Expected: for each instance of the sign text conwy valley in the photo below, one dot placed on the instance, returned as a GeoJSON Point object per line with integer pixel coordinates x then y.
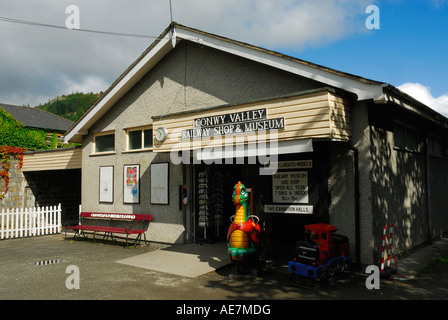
{"type": "Point", "coordinates": [233, 123]}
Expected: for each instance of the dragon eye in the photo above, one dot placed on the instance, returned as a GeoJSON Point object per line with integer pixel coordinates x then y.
{"type": "Point", "coordinates": [243, 192]}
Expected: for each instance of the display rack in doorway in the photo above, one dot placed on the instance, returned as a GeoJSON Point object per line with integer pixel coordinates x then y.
{"type": "Point", "coordinates": [204, 204]}
{"type": "Point", "coordinates": [211, 204]}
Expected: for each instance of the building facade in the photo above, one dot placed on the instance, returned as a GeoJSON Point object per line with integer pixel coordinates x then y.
{"type": "Point", "coordinates": [196, 113]}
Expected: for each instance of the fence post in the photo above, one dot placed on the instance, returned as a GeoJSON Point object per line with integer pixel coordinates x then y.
{"type": "Point", "coordinates": [26, 223]}
{"type": "Point", "coordinates": [21, 222]}
{"type": "Point", "coordinates": [59, 218]}
{"type": "Point", "coordinates": [2, 235]}
{"type": "Point", "coordinates": [43, 221]}
{"type": "Point", "coordinates": [47, 219]}
{"type": "Point", "coordinates": [53, 219]}
{"type": "Point", "coordinates": [15, 213]}
{"type": "Point", "coordinates": [15, 220]}
{"type": "Point", "coordinates": [13, 224]}
{"type": "Point", "coordinates": [39, 221]}
{"type": "Point", "coordinates": [33, 221]}
{"type": "Point", "coordinates": [42, 217]}
{"type": "Point", "coordinates": [7, 224]}
{"type": "Point", "coordinates": [37, 214]}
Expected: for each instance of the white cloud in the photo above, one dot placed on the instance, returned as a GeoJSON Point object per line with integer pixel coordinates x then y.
{"type": "Point", "coordinates": [424, 95]}
{"type": "Point", "coordinates": [44, 62]}
{"type": "Point", "coordinates": [86, 85]}
{"type": "Point", "coordinates": [292, 24]}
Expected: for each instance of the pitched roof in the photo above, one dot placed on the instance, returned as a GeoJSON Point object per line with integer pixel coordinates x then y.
{"type": "Point", "coordinates": [36, 118]}
{"type": "Point", "coordinates": [364, 89]}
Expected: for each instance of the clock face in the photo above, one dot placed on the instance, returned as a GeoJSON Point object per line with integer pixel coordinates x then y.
{"type": "Point", "coordinates": [161, 134]}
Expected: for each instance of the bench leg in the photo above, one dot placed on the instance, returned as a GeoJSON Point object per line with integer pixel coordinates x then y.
{"type": "Point", "coordinates": [144, 239]}
{"type": "Point", "coordinates": [136, 240]}
{"type": "Point", "coordinates": [74, 235]}
{"type": "Point", "coordinates": [139, 239]}
{"type": "Point", "coordinates": [77, 233]}
{"type": "Point", "coordinates": [127, 238]}
{"type": "Point", "coordinates": [107, 235]}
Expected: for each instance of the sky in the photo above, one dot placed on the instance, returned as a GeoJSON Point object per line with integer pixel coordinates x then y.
{"type": "Point", "coordinates": [405, 46]}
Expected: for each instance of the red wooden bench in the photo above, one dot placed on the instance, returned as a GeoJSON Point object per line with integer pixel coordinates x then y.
{"type": "Point", "coordinates": [134, 225]}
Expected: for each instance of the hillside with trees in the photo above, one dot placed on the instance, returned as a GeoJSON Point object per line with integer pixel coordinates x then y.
{"type": "Point", "coordinates": [71, 106]}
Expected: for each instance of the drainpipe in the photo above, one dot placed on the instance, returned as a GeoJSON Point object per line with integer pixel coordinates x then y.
{"type": "Point", "coordinates": [357, 210]}
{"type": "Point", "coordinates": [357, 206]}
{"type": "Point", "coordinates": [428, 192]}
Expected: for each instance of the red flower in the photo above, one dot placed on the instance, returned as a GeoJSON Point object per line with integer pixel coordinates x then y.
{"type": "Point", "coordinates": [6, 152]}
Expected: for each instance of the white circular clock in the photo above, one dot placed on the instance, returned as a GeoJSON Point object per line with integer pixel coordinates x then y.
{"type": "Point", "coordinates": [161, 134]}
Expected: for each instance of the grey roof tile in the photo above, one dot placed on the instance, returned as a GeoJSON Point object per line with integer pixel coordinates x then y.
{"type": "Point", "coordinates": [36, 118]}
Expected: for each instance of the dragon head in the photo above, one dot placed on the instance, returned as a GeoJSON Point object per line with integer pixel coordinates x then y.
{"type": "Point", "coordinates": [239, 194]}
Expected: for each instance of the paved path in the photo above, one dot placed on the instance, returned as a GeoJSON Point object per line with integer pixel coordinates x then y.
{"type": "Point", "coordinates": [103, 278]}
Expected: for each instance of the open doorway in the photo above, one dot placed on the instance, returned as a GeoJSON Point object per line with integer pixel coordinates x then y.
{"type": "Point", "coordinates": [213, 200]}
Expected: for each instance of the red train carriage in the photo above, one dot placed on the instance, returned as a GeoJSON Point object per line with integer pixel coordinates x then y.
{"type": "Point", "coordinates": [322, 252]}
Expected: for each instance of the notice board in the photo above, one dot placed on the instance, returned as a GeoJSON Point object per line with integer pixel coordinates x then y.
{"type": "Point", "coordinates": [160, 183]}
{"type": "Point", "coordinates": [290, 187]}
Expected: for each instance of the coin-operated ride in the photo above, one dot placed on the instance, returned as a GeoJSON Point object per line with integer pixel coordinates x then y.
{"type": "Point", "coordinates": [321, 253]}
{"type": "Point", "coordinates": [244, 233]}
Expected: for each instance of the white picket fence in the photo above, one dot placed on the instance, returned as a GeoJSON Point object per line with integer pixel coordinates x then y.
{"type": "Point", "coordinates": [29, 222]}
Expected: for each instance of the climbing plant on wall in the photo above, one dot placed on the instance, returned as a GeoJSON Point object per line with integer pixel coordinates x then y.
{"type": "Point", "coordinates": [6, 154]}
{"type": "Point", "coordinates": [14, 140]}
{"type": "Point", "coordinates": [14, 134]}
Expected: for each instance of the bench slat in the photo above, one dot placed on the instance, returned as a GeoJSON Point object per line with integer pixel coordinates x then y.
{"type": "Point", "coordinates": [84, 227]}
{"type": "Point", "coordinates": [116, 216]}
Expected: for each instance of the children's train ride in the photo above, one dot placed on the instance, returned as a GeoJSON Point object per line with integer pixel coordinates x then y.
{"type": "Point", "coordinates": [321, 253]}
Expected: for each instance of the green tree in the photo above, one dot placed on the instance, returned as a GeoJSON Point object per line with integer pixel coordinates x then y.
{"type": "Point", "coordinates": [71, 106]}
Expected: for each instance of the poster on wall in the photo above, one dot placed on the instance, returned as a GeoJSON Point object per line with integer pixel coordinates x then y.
{"type": "Point", "coordinates": [160, 183]}
{"type": "Point", "coordinates": [290, 187]}
{"type": "Point", "coordinates": [107, 184]}
{"type": "Point", "coordinates": [131, 184]}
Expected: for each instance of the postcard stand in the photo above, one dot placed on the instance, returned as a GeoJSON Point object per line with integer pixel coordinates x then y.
{"type": "Point", "coordinates": [204, 203]}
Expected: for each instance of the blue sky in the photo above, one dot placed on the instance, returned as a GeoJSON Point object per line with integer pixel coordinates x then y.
{"type": "Point", "coordinates": [409, 50]}
{"type": "Point", "coordinates": [410, 46]}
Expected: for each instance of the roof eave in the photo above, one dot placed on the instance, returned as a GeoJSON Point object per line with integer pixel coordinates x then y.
{"type": "Point", "coordinates": [403, 100]}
